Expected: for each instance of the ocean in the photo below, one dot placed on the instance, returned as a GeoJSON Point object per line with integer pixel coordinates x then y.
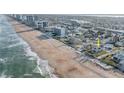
{"type": "Point", "coordinates": [17, 60]}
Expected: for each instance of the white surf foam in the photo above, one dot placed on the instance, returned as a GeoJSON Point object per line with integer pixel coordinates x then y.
{"type": "Point", "coordinates": [1, 60]}
{"type": "Point", "coordinates": [42, 65]}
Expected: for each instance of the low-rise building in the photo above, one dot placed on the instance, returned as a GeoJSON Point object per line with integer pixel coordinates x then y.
{"type": "Point", "coordinates": [108, 46]}
{"type": "Point", "coordinates": [121, 67]}
{"type": "Point", "coordinates": [96, 49]}
{"type": "Point", "coordinates": [118, 57]}
{"type": "Point", "coordinates": [119, 44]}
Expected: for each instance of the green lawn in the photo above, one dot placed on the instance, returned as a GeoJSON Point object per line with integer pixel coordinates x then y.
{"type": "Point", "coordinates": [109, 61]}
{"type": "Point", "coordinates": [100, 53]}
{"type": "Point", "coordinates": [96, 54]}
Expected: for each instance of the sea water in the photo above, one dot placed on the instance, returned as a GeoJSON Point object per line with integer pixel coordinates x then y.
{"type": "Point", "coordinates": [16, 57]}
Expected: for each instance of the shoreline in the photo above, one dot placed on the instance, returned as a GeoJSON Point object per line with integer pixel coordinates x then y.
{"type": "Point", "coordinates": [27, 52]}
{"type": "Point", "coordinates": [30, 52]}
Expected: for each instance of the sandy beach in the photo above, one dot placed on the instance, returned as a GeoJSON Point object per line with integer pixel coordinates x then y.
{"type": "Point", "coordinates": [60, 56]}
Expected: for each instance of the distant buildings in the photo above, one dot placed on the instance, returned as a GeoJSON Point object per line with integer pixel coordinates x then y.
{"type": "Point", "coordinates": [24, 19]}
{"type": "Point", "coordinates": [30, 20]}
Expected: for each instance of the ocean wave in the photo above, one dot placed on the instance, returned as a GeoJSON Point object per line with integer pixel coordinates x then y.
{"type": "Point", "coordinates": [14, 45]}
{"type": "Point", "coordinates": [1, 60]}
{"type": "Point", "coordinates": [43, 65]}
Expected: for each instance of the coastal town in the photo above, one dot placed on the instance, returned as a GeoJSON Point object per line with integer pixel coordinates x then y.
{"type": "Point", "coordinates": [75, 45]}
